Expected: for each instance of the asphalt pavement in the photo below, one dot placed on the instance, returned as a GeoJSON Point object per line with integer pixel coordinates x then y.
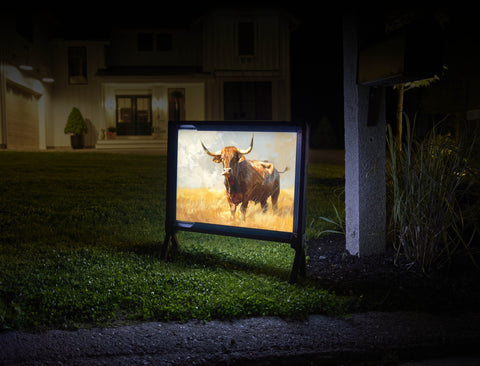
{"type": "Point", "coordinates": [374, 338]}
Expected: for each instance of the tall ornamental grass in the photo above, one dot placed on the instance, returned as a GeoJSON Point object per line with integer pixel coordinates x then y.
{"type": "Point", "coordinates": [428, 182]}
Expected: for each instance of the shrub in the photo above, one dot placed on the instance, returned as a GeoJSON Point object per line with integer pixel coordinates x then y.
{"type": "Point", "coordinates": [75, 123]}
{"type": "Point", "coordinates": [427, 180]}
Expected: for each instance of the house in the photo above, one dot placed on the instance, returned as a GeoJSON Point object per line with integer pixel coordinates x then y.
{"type": "Point", "coordinates": [229, 64]}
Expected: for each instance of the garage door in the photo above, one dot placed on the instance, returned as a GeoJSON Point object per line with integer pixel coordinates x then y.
{"type": "Point", "coordinates": [22, 118]}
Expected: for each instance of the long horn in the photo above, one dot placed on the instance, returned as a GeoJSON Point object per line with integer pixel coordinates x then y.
{"type": "Point", "coordinates": [247, 150]}
{"type": "Point", "coordinates": [209, 152]}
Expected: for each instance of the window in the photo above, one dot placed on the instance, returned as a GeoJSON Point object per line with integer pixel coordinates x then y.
{"type": "Point", "coordinates": [77, 65]}
{"type": "Point", "coordinates": [145, 42]}
{"type": "Point", "coordinates": [148, 42]}
{"type": "Point", "coordinates": [247, 100]}
{"type": "Point", "coordinates": [246, 39]}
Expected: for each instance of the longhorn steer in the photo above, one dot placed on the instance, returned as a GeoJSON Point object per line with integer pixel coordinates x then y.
{"type": "Point", "coordinates": [247, 180]}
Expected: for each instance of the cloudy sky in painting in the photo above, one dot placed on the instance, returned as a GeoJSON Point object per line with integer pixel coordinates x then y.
{"type": "Point", "coordinates": [196, 169]}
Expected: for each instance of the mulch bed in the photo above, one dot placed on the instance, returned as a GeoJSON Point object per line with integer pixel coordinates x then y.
{"type": "Point", "coordinates": [380, 284]}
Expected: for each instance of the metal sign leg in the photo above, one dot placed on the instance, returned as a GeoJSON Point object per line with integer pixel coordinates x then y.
{"type": "Point", "coordinates": [299, 262]}
{"type": "Point", "coordinates": [169, 237]}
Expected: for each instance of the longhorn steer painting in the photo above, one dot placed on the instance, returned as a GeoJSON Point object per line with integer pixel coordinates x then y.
{"type": "Point", "coordinates": [243, 175]}
{"type": "Point", "coordinates": [247, 180]}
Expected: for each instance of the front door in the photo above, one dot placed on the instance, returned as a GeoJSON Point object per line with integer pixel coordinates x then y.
{"type": "Point", "coordinates": [134, 115]}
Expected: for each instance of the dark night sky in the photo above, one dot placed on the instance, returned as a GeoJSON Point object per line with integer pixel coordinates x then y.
{"type": "Point", "coordinates": [317, 67]}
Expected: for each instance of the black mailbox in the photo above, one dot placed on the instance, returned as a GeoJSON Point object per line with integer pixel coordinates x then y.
{"type": "Point", "coordinates": [414, 53]}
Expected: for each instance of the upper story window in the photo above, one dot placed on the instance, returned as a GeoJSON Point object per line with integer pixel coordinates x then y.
{"type": "Point", "coordinates": [148, 42]}
{"type": "Point", "coordinates": [246, 39]}
{"type": "Point", "coordinates": [77, 65]}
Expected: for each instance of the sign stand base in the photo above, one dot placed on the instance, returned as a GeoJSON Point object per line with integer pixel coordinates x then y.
{"type": "Point", "coordinates": [170, 237]}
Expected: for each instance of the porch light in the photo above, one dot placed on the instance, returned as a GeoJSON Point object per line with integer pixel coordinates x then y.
{"type": "Point", "coordinates": [109, 103]}
{"type": "Point", "coordinates": [157, 103]}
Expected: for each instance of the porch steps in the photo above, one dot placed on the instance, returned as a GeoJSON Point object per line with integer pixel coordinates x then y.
{"type": "Point", "coordinates": [134, 143]}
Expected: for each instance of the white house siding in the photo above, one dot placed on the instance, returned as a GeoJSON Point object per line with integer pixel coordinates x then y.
{"type": "Point", "coordinates": [86, 97]}
{"type": "Point", "coordinates": [195, 102]}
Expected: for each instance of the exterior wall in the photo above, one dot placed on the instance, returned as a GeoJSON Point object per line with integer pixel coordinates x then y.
{"type": "Point", "coordinates": [186, 49]}
{"type": "Point", "coordinates": [194, 106]}
{"type": "Point", "coordinates": [221, 40]}
{"type": "Point", "coordinates": [86, 97]}
{"type": "Point", "coordinates": [25, 99]}
{"type": "Point", "coordinates": [195, 95]}
{"type": "Point", "coordinates": [281, 110]}
{"type": "Point", "coordinates": [203, 58]}
{"type": "Point", "coordinates": [270, 62]}
{"type": "Point", "coordinates": [97, 99]}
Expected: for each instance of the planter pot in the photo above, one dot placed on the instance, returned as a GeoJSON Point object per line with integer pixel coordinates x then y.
{"type": "Point", "coordinates": [77, 141]}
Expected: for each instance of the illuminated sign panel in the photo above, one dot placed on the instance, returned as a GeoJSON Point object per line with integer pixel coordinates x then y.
{"type": "Point", "coordinates": [242, 179]}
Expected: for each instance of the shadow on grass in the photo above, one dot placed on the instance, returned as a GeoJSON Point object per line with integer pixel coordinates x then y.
{"type": "Point", "coordinates": [200, 258]}
{"type": "Point", "coordinates": [217, 260]}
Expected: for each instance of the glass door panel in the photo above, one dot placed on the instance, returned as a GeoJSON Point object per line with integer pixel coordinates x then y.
{"type": "Point", "coordinates": [143, 115]}
{"type": "Point", "coordinates": [124, 115]}
{"type": "Point", "coordinates": [134, 115]}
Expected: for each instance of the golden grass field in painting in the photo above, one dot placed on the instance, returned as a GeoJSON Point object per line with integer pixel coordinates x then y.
{"type": "Point", "coordinates": [211, 206]}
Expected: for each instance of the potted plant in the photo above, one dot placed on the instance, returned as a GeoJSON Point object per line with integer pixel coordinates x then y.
{"type": "Point", "coordinates": [112, 132]}
{"type": "Point", "coordinates": [77, 127]}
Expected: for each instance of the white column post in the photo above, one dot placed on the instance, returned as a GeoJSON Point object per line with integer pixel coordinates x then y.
{"type": "Point", "coordinates": [365, 193]}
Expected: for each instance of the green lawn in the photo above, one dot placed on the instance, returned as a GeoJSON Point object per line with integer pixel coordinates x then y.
{"type": "Point", "coordinates": [80, 237]}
